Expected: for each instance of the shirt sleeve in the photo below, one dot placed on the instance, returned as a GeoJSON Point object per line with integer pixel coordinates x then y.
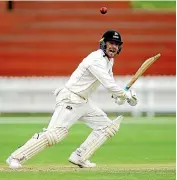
{"type": "Point", "coordinates": [98, 69]}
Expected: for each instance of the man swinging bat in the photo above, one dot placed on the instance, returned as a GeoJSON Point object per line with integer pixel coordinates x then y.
{"type": "Point", "coordinates": [73, 104]}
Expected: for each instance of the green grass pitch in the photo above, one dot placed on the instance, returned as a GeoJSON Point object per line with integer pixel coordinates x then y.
{"type": "Point", "coordinates": [142, 150]}
{"type": "Point", "coordinates": [155, 5]}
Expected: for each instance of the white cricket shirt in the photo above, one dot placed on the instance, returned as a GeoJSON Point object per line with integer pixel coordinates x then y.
{"type": "Point", "coordinates": [94, 70]}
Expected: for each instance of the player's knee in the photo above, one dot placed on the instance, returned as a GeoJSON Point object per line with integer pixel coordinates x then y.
{"type": "Point", "coordinates": [56, 135]}
{"type": "Point", "coordinates": [53, 136]}
{"type": "Point", "coordinates": [113, 128]}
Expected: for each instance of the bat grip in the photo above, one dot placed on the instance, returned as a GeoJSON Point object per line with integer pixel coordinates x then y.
{"type": "Point", "coordinates": [127, 88]}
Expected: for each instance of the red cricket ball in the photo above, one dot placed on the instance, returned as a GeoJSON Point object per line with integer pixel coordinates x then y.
{"type": "Point", "coordinates": [103, 10]}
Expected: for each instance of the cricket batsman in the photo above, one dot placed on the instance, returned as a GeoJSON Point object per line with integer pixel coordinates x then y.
{"type": "Point", "coordinates": [73, 104]}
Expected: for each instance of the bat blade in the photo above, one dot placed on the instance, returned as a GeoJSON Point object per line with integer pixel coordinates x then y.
{"type": "Point", "coordinates": [147, 63]}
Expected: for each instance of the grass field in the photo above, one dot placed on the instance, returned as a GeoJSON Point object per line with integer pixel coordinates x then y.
{"type": "Point", "coordinates": [155, 5]}
{"type": "Point", "coordinates": [142, 150]}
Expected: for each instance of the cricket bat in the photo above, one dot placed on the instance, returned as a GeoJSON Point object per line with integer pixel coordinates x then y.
{"type": "Point", "coordinates": [147, 63]}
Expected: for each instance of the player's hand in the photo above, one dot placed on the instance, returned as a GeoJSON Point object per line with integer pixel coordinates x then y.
{"type": "Point", "coordinates": [120, 97]}
{"type": "Point", "coordinates": [120, 101]}
{"type": "Point", "coordinates": [132, 98]}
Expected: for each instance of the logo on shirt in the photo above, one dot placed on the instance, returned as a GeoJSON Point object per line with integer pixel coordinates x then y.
{"type": "Point", "coordinates": [69, 107]}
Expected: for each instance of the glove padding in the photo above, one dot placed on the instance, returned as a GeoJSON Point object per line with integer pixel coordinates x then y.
{"type": "Point", "coordinates": [120, 97]}
{"type": "Point", "coordinates": [120, 101]}
{"type": "Point", "coordinates": [132, 98]}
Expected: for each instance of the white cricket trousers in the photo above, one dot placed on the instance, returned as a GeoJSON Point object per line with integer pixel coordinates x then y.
{"type": "Point", "coordinates": [71, 107]}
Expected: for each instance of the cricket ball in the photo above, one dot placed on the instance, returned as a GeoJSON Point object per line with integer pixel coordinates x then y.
{"type": "Point", "coordinates": [103, 10]}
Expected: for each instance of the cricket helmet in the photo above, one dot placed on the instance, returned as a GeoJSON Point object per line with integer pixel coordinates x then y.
{"type": "Point", "coordinates": [111, 35]}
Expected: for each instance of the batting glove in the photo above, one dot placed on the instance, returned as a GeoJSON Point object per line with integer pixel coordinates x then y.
{"type": "Point", "coordinates": [120, 97]}
{"type": "Point", "coordinates": [132, 98]}
{"type": "Point", "coordinates": [120, 101]}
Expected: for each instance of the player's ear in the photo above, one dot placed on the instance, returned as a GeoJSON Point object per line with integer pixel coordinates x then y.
{"type": "Point", "coordinates": [119, 49]}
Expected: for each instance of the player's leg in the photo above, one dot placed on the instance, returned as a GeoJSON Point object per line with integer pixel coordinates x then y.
{"type": "Point", "coordinates": [103, 128]}
{"type": "Point", "coordinates": [37, 143]}
{"type": "Point", "coordinates": [63, 118]}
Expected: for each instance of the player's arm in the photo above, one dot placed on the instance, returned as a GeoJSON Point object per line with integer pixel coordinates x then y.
{"type": "Point", "coordinates": [99, 71]}
{"type": "Point", "coordinates": [119, 94]}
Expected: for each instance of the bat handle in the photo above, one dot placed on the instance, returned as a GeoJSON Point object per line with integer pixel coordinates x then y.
{"type": "Point", "coordinates": [127, 88]}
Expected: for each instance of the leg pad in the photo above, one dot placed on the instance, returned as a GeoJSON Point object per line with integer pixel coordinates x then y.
{"type": "Point", "coordinates": [97, 138]}
{"type": "Point", "coordinates": [39, 142]}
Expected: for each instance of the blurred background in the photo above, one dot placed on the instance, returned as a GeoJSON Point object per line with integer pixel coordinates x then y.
{"type": "Point", "coordinates": [41, 44]}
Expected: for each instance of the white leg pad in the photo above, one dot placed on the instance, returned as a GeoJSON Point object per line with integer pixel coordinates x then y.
{"type": "Point", "coordinates": [38, 142]}
{"type": "Point", "coordinates": [97, 138]}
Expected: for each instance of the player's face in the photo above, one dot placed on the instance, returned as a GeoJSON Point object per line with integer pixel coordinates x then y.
{"type": "Point", "coordinates": [111, 48]}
